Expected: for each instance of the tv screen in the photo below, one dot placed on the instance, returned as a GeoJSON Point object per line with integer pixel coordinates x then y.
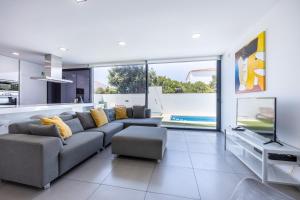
{"type": "Point", "coordinates": [257, 114]}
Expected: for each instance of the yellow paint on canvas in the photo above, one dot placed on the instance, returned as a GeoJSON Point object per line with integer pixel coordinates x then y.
{"type": "Point", "coordinates": [256, 62]}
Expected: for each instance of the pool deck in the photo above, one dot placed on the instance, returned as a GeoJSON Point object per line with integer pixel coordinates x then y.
{"type": "Point", "coordinates": [166, 120]}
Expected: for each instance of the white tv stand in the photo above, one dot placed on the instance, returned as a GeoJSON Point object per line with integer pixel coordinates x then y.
{"type": "Point", "coordinates": [250, 149]}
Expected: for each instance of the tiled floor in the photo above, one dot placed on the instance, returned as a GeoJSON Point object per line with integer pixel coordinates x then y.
{"type": "Point", "coordinates": [195, 166]}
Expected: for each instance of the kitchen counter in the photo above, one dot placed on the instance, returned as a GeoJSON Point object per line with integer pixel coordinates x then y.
{"type": "Point", "coordinates": [44, 107]}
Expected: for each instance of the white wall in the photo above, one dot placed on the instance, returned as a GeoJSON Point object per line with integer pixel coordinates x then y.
{"type": "Point", "coordinates": [9, 68]}
{"type": "Point", "coordinates": [31, 91]}
{"type": "Point", "coordinates": [282, 26]}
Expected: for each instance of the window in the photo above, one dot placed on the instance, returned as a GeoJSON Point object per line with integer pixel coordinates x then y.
{"type": "Point", "coordinates": [120, 85]}
{"type": "Point", "coordinates": [183, 94]}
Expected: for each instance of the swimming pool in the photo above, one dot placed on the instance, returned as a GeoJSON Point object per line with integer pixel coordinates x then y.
{"type": "Point", "coordinates": [192, 118]}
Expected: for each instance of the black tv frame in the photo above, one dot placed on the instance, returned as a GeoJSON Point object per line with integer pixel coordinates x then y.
{"type": "Point", "coordinates": [274, 139]}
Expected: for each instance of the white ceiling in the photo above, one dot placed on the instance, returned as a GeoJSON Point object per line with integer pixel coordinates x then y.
{"type": "Point", "coordinates": [151, 28]}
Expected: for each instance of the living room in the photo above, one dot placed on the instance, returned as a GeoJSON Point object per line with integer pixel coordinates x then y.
{"type": "Point", "coordinates": [149, 100]}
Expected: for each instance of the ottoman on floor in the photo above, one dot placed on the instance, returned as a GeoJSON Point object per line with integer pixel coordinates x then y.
{"type": "Point", "coordinates": [139, 141]}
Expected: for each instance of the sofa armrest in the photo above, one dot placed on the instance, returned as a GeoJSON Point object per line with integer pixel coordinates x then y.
{"type": "Point", "coordinates": [148, 113]}
{"type": "Point", "coordinates": [29, 159]}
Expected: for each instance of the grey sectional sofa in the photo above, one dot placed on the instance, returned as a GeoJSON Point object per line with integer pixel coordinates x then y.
{"type": "Point", "coordinates": [38, 160]}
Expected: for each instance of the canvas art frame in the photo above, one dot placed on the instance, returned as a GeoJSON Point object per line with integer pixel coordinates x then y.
{"type": "Point", "coordinates": [250, 66]}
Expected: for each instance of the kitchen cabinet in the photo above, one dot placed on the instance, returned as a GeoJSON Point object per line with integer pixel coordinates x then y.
{"type": "Point", "coordinates": [68, 90]}
{"type": "Point", "coordinates": [9, 69]}
{"type": "Point", "coordinates": [81, 86]}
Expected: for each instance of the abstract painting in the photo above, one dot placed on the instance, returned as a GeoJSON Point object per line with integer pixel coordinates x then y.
{"type": "Point", "coordinates": [250, 66]}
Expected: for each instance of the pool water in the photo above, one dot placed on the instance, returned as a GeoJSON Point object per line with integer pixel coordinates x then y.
{"type": "Point", "coordinates": [193, 118]}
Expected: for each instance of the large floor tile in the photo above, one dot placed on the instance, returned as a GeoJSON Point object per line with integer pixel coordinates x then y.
{"type": "Point", "coordinates": [176, 158]}
{"type": "Point", "coordinates": [210, 162]}
{"type": "Point", "coordinates": [176, 137]}
{"type": "Point", "coordinates": [206, 148]}
{"type": "Point", "coordinates": [174, 181]}
{"type": "Point", "coordinates": [94, 170]}
{"type": "Point", "coordinates": [214, 185]}
{"type": "Point", "coordinates": [12, 191]}
{"type": "Point", "coordinates": [201, 138]}
{"type": "Point", "coordinates": [175, 131]}
{"type": "Point", "coordinates": [106, 153]}
{"type": "Point", "coordinates": [175, 145]}
{"type": "Point", "coordinates": [287, 190]}
{"type": "Point", "coordinates": [133, 174]}
{"type": "Point", "coordinates": [68, 190]}
{"type": "Point", "coordinates": [113, 193]}
{"type": "Point", "coordinates": [155, 196]}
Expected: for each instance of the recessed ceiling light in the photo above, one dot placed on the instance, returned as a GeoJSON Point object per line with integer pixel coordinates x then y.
{"type": "Point", "coordinates": [122, 43]}
{"type": "Point", "coordinates": [196, 35]}
{"type": "Point", "coordinates": [81, 1]}
{"type": "Point", "coordinates": [63, 49]}
{"type": "Point", "coordinates": [15, 53]}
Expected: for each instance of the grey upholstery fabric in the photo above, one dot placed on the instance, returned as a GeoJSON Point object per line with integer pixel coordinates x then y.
{"type": "Point", "coordinates": [79, 147]}
{"type": "Point", "coordinates": [138, 141]}
{"type": "Point", "coordinates": [140, 122]}
{"type": "Point", "coordinates": [37, 116]}
{"type": "Point", "coordinates": [129, 112]}
{"type": "Point", "coordinates": [110, 113]}
{"type": "Point", "coordinates": [29, 159]}
{"type": "Point", "coordinates": [68, 113]}
{"type": "Point", "coordinates": [74, 125]}
{"type": "Point", "coordinates": [109, 130]}
{"type": "Point", "coordinates": [21, 127]}
{"type": "Point", "coordinates": [86, 120]}
{"type": "Point", "coordinates": [45, 130]}
{"type": "Point", "coordinates": [138, 112]}
{"type": "Point", "coordinates": [251, 189]}
{"type": "Point", "coordinates": [66, 117]}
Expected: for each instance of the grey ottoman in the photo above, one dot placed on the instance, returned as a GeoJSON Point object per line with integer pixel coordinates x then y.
{"type": "Point", "coordinates": [139, 141]}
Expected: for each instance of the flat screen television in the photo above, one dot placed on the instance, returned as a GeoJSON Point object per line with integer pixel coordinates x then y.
{"type": "Point", "coordinates": [257, 115]}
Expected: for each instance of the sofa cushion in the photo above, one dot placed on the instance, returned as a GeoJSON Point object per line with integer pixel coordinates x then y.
{"type": "Point", "coordinates": [86, 120]}
{"type": "Point", "coordinates": [68, 113]}
{"type": "Point", "coordinates": [138, 112]}
{"type": "Point", "coordinates": [140, 122]}
{"type": "Point", "coordinates": [75, 125]}
{"type": "Point", "coordinates": [99, 117]}
{"type": "Point", "coordinates": [121, 112]}
{"type": "Point", "coordinates": [110, 113]}
{"type": "Point", "coordinates": [79, 147]}
{"type": "Point", "coordinates": [109, 130]}
{"type": "Point", "coordinates": [129, 112]}
{"type": "Point", "coordinates": [38, 116]}
{"type": "Point", "coordinates": [45, 130]}
{"type": "Point", "coordinates": [21, 127]}
{"type": "Point", "coordinates": [66, 117]}
{"type": "Point", "coordinates": [64, 129]}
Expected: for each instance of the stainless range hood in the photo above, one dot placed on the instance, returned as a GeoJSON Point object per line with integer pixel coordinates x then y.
{"type": "Point", "coordinates": [52, 70]}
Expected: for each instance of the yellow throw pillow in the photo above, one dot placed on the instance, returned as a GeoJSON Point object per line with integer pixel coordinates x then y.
{"type": "Point", "coordinates": [64, 129]}
{"type": "Point", "coordinates": [99, 117]}
{"type": "Point", "coordinates": [121, 112]}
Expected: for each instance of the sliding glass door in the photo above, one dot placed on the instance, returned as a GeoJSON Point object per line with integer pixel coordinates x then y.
{"type": "Point", "coordinates": [182, 94]}
{"type": "Point", "coordinates": [120, 85]}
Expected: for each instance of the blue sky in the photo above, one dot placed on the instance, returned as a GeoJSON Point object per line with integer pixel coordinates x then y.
{"type": "Point", "coordinates": [175, 71]}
